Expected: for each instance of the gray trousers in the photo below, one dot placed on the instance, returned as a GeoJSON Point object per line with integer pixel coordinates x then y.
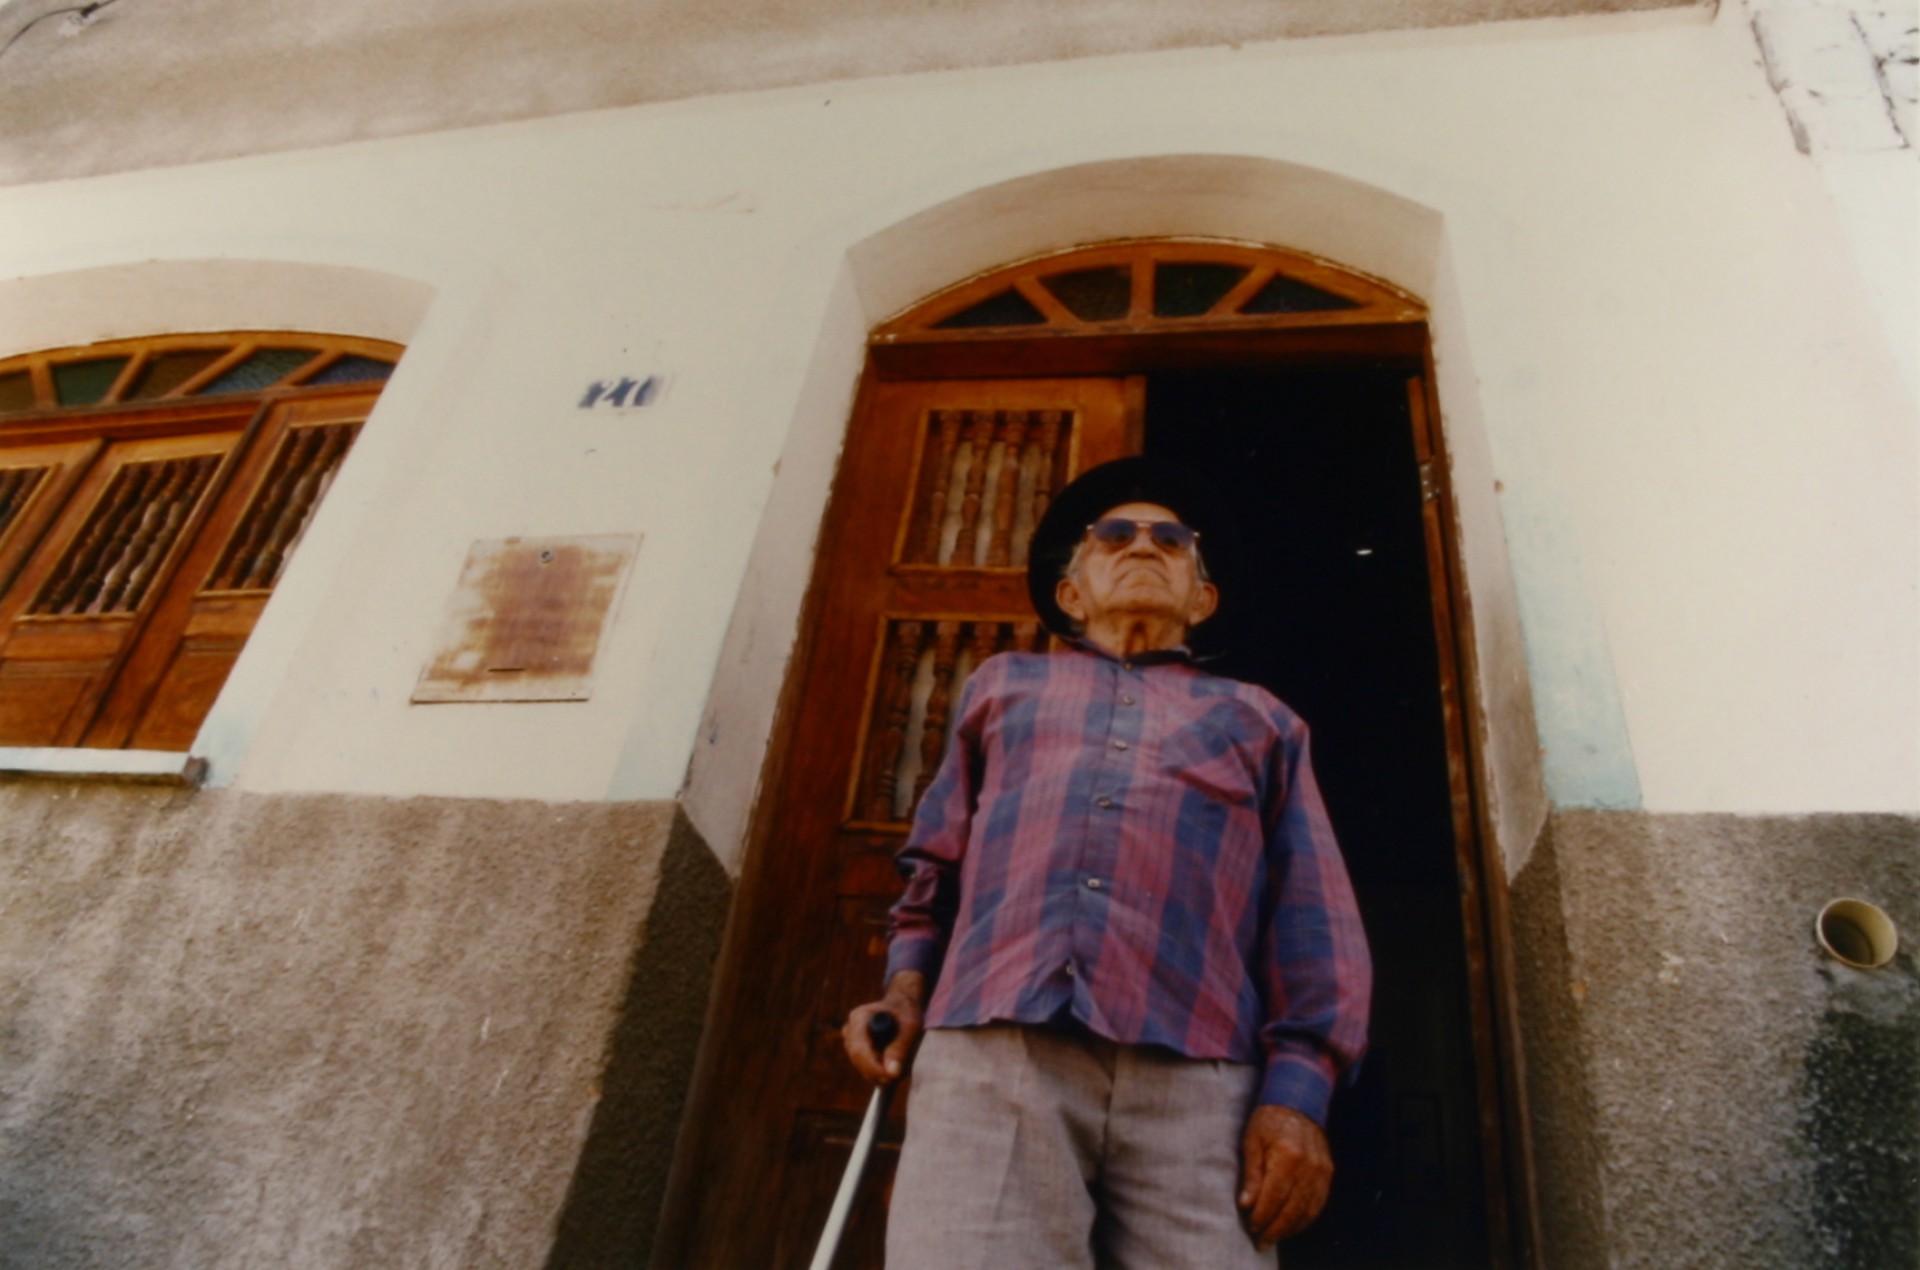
{"type": "Point", "coordinates": [1045, 1148]}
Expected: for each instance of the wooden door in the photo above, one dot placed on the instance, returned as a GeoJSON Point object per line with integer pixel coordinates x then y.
{"type": "Point", "coordinates": [921, 575]}
{"type": "Point", "coordinates": [887, 643]}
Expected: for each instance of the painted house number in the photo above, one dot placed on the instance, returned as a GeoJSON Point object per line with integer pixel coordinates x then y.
{"type": "Point", "coordinates": [624, 392]}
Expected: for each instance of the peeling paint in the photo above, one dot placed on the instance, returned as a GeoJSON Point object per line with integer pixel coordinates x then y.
{"type": "Point", "coordinates": [1844, 70]}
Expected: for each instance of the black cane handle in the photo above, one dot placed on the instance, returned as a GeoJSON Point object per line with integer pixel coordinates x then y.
{"type": "Point", "coordinates": [882, 1029]}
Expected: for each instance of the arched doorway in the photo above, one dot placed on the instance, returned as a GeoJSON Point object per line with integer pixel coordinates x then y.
{"type": "Point", "coordinates": [1304, 389]}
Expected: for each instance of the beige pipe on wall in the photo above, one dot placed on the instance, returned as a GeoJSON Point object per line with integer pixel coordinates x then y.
{"type": "Point", "coordinates": [1857, 932]}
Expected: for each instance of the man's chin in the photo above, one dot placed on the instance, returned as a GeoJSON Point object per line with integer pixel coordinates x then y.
{"type": "Point", "coordinates": [1148, 612]}
{"type": "Point", "coordinates": [1148, 596]}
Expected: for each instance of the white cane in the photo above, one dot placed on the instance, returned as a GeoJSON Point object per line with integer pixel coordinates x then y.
{"type": "Point", "coordinates": [882, 1028]}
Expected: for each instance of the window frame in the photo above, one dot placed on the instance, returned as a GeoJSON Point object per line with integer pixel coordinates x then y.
{"type": "Point", "coordinates": [103, 430]}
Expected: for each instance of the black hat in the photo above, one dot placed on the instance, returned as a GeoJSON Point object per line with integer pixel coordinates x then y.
{"type": "Point", "coordinates": [1086, 498]}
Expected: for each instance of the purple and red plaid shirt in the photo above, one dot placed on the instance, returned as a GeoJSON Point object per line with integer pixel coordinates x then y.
{"type": "Point", "coordinates": [1141, 846]}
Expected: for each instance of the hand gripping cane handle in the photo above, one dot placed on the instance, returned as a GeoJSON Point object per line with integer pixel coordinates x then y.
{"type": "Point", "coordinates": [882, 1029]}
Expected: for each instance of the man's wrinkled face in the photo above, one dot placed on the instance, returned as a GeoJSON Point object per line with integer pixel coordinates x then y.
{"type": "Point", "coordinates": [1139, 578]}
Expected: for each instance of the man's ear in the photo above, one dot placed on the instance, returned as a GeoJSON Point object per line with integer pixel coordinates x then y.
{"type": "Point", "coordinates": [1206, 598]}
{"type": "Point", "coordinates": [1067, 595]}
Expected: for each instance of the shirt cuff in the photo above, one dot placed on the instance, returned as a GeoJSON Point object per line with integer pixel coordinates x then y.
{"type": "Point", "coordinates": [911, 952]}
{"type": "Point", "coordinates": [1301, 1081]}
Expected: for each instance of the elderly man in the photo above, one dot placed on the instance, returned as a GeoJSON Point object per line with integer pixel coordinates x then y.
{"type": "Point", "coordinates": [1127, 931]}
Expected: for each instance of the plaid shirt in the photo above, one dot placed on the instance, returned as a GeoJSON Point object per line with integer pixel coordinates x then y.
{"type": "Point", "coordinates": [1139, 845]}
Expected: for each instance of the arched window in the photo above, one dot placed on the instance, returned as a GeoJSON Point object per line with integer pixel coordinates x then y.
{"type": "Point", "coordinates": [151, 494]}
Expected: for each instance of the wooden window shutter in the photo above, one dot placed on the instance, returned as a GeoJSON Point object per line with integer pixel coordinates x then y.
{"type": "Point", "coordinates": [151, 495]}
{"type": "Point", "coordinates": [197, 635]}
{"type": "Point", "coordinates": [73, 613]}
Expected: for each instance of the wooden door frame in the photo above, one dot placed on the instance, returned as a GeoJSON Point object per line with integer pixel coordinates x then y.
{"type": "Point", "coordinates": [680, 1209]}
{"type": "Point", "coordinates": [1401, 343]}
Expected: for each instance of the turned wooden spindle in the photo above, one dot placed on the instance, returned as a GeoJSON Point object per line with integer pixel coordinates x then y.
{"type": "Point", "coordinates": [896, 704]}
{"type": "Point", "coordinates": [979, 441]}
{"type": "Point", "coordinates": [946, 440]}
{"type": "Point", "coordinates": [1013, 435]}
{"type": "Point", "coordinates": [933, 728]}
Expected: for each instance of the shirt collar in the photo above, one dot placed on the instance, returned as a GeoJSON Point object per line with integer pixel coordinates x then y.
{"type": "Point", "coordinates": [1152, 657]}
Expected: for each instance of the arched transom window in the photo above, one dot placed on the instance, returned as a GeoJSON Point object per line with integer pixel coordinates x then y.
{"type": "Point", "coordinates": [1159, 285]}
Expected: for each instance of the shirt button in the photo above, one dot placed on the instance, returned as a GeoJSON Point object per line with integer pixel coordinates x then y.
{"type": "Point", "coordinates": [1093, 884]}
{"type": "Point", "coordinates": [1126, 700]}
{"type": "Point", "coordinates": [1119, 745]}
{"type": "Point", "coordinates": [1103, 802]}
{"type": "Point", "coordinates": [1069, 970]}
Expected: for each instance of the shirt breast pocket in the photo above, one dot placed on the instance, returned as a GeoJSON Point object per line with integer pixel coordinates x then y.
{"type": "Point", "coordinates": [1214, 760]}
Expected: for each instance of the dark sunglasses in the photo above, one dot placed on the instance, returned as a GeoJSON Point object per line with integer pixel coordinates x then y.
{"type": "Point", "coordinates": [1115, 532]}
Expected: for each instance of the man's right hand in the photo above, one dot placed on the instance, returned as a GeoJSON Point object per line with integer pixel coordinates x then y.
{"type": "Point", "coordinates": [905, 992]}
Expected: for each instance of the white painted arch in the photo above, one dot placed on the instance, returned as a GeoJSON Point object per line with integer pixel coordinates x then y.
{"type": "Point", "coordinates": [170, 297]}
{"type": "Point", "coordinates": [1191, 195]}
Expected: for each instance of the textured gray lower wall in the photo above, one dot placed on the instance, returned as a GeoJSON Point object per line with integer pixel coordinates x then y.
{"type": "Point", "coordinates": [1707, 1089]}
{"type": "Point", "coordinates": [245, 1030]}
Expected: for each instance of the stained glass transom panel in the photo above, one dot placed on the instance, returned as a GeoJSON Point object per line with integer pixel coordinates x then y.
{"type": "Point", "coordinates": [1094, 295]}
{"type": "Point", "coordinates": [262, 370]}
{"type": "Point", "coordinates": [1290, 295]}
{"type": "Point", "coordinates": [1183, 290]}
{"type": "Point", "coordinates": [83, 383]}
{"type": "Point", "coordinates": [167, 371]}
{"type": "Point", "coordinates": [1007, 308]}
{"type": "Point", "coordinates": [354, 370]}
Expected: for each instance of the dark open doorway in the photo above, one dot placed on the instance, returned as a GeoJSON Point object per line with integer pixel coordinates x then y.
{"type": "Point", "coordinates": [1327, 603]}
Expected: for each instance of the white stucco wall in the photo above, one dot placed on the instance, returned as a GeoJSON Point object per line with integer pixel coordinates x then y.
{"type": "Point", "coordinates": [1655, 332]}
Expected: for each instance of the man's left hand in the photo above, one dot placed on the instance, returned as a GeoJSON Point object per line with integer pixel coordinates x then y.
{"type": "Point", "coordinates": [1285, 1172]}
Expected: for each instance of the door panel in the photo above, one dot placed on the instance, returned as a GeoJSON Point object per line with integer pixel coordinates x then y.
{"type": "Point", "coordinates": [82, 598]}
{"type": "Point", "coordinates": [34, 483]}
{"type": "Point", "coordinates": [216, 632]}
{"type": "Point", "coordinates": [195, 635]}
{"type": "Point", "coordinates": [921, 576]}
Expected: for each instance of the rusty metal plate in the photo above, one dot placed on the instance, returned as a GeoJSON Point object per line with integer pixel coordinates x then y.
{"type": "Point", "coordinates": [527, 619]}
